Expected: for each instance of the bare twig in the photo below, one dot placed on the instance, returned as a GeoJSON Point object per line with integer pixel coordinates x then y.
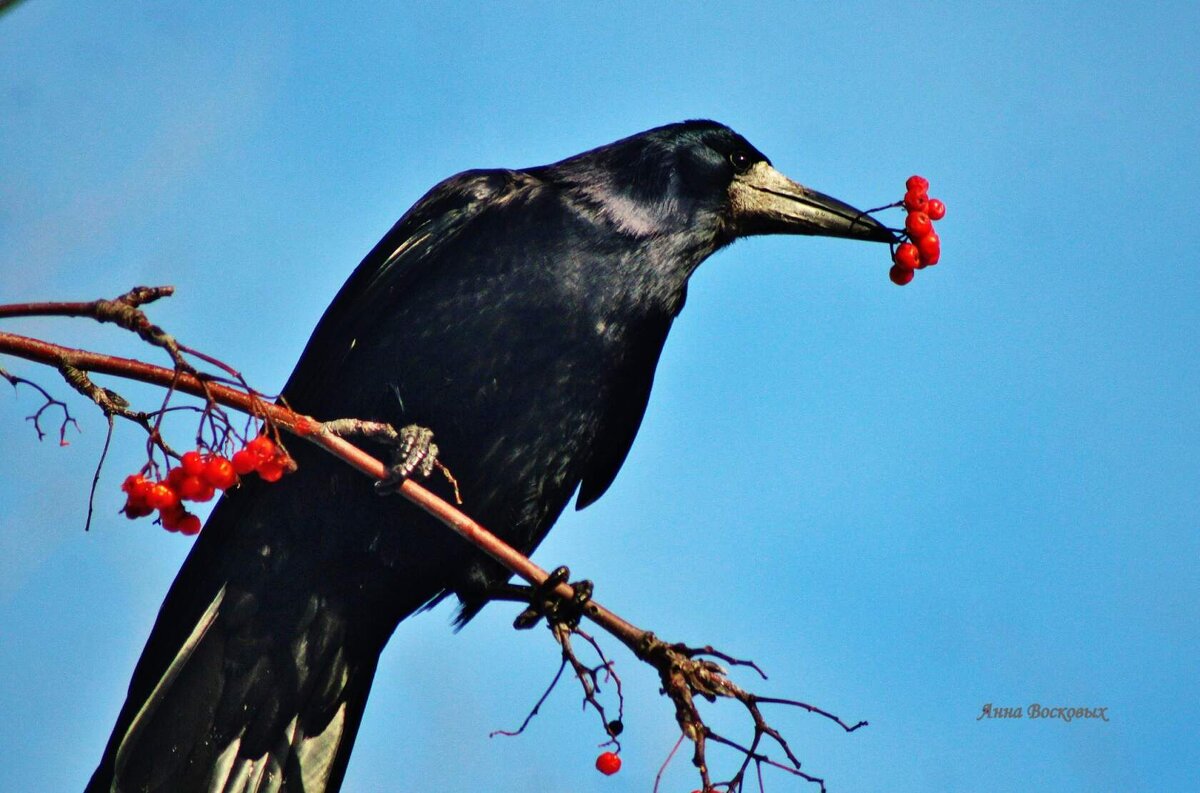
{"type": "Point", "coordinates": [49, 403]}
{"type": "Point", "coordinates": [562, 665]}
{"type": "Point", "coordinates": [662, 769]}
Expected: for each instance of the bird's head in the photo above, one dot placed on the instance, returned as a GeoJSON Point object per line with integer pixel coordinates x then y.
{"type": "Point", "coordinates": [702, 176]}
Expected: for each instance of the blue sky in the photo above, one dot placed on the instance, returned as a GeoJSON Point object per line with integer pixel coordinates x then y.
{"type": "Point", "coordinates": [903, 503]}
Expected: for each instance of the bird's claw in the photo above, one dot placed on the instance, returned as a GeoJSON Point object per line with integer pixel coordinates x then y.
{"type": "Point", "coordinates": [545, 602]}
{"type": "Point", "coordinates": [415, 453]}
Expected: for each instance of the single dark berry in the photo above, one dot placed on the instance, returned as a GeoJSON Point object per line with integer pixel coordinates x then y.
{"type": "Point", "coordinates": [615, 727]}
{"type": "Point", "coordinates": [136, 508]}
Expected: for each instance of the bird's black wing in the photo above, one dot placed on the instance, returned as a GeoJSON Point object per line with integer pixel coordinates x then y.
{"type": "Point", "coordinates": [256, 673]}
{"type": "Point", "coordinates": [395, 265]}
{"type": "Point", "coordinates": [623, 410]}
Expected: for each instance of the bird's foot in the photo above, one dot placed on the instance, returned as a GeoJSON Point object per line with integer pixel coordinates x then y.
{"type": "Point", "coordinates": [544, 602]}
{"type": "Point", "coordinates": [414, 453]}
{"type": "Point", "coordinates": [413, 450]}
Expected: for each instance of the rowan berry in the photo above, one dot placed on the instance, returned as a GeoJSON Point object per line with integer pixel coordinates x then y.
{"type": "Point", "coordinates": [608, 763]}
{"type": "Point", "coordinates": [192, 463]}
{"type": "Point", "coordinates": [918, 224]}
{"type": "Point", "coordinates": [916, 200]}
{"type": "Point", "coordinates": [162, 497]}
{"type": "Point", "coordinates": [220, 473]}
{"type": "Point", "coordinates": [262, 447]}
{"type": "Point", "coordinates": [900, 274]}
{"type": "Point", "coordinates": [917, 183]}
{"type": "Point", "coordinates": [190, 488]}
{"type": "Point", "coordinates": [189, 524]}
{"type": "Point", "coordinates": [172, 519]}
{"type": "Point", "coordinates": [930, 248]}
{"type": "Point", "coordinates": [137, 486]}
{"type": "Point", "coordinates": [244, 461]}
{"type": "Point", "coordinates": [907, 256]}
{"type": "Point", "coordinates": [136, 508]}
{"type": "Point", "coordinates": [936, 209]}
{"type": "Point", "coordinates": [271, 470]}
{"type": "Point", "coordinates": [175, 477]}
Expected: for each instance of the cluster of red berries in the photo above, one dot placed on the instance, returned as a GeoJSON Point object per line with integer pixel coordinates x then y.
{"type": "Point", "coordinates": [262, 456]}
{"type": "Point", "coordinates": [197, 478]}
{"type": "Point", "coordinates": [608, 763]}
{"type": "Point", "coordinates": [924, 247]}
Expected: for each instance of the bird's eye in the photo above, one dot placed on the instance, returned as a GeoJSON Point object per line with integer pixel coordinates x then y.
{"type": "Point", "coordinates": [741, 161]}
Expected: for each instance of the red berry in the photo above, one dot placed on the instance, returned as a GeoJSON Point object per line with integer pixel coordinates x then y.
{"type": "Point", "coordinates": [133, 482]}
{"type": "Point", "coordinates": [175, 477]}
{"type": "Point", "coordinates": [916, 200]}
{"type": "Point", "coordinates": [918, 224]}
{"type": "Point", "coordinates": [136, 508]}
{"type": "Point", "coordinates": [907, 256]}
{"type": "Point", "coordinates": [262, 447]}
{"type": "Point", "coordinates": [244, 461]}
{"type": "Point", "coordinates": [137, 486]}
{"type": "Point", "coordinates": [207, 491]}
{"type": "Point", "coordinates": [172, 519]}
{"type": "Point", "coordinates": [271, 471]}
{"type": "Point", "coordinates": [190, 488]}
{"type": "Point", "coordinates": [608, 763]}
{"type": "Point", "coordinates": [936, 209]}
{"type": "Point", "coordinates": [192, 463]}
{"type": "Point", "coordinates": [917, 183]}
{"type": "Point", "coordinates": [930, 248]}
{"type": "Point", "coordinates": [189, 524]}
{"type": "Point", "coordinates": [162, 497]}
{"type": "Point", "coordinates": [220, 473]}
{"type": "Point", "coordinates": [900, 274]}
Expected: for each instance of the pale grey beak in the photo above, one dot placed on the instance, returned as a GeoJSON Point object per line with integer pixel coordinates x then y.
{"type": "Point", "coordinates": [764, 201]}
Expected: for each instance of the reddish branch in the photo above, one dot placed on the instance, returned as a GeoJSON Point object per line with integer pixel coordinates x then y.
{"type": "Point", "coordinates": [311, 430]}
{"type": "Point", "coordinates": [685, 672]}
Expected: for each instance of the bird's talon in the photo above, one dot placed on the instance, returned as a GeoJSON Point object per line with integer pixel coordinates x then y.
{"type": "Point", "coordinates": [545, 602]}
{"type": "Point", "coordinates": [416, 453]}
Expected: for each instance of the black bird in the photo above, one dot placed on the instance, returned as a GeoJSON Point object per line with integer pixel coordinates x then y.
{"type": "Point", "coordinates": [520, 315]}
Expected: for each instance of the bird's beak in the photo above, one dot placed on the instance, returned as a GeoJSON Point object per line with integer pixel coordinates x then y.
{"type": "Point", "coordinates": [764, 201]}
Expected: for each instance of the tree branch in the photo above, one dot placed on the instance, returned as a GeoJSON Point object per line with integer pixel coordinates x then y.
{"type": "Point", "coordinates": [684, 671]}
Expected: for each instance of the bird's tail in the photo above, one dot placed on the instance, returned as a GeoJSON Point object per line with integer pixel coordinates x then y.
{"type": "Point", "coordinates": [229, 715]}
{"type": "Point", "coordinates": [256, 674]}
